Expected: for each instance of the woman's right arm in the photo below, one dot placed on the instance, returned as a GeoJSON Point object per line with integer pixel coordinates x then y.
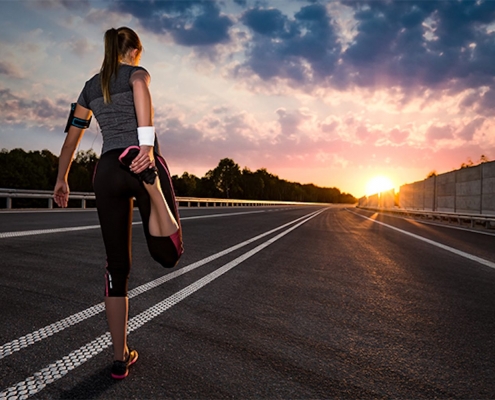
{"type": "Point", "coordinates": [140, 81]}
{"type": "Point", "coordinates": [74, 136]}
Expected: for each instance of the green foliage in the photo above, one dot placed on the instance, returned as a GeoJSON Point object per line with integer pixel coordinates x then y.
{"type": "Point", "coordinates": [187, 184]}
{"type": "Point", "coordinates": [228, 181]}
{"type": "Point", "coordinates": [27, 170]}
{"type": "Point", "coordinates": [37, 170]}
{"type": "Point", "coordinates": [470, 163]}
{"type": "Point", "coordinates": [225, 178]}
{"type": "Point", "coordinates": [82, 170]}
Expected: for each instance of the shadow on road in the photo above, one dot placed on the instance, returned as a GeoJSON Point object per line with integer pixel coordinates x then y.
{"type": "Point", "coordinates": [92, 387]}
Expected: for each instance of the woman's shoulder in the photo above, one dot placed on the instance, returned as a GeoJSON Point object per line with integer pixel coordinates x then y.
{"type": "Point", "coordinates": [130, 69]}
{"type": "Point", "coordinates": [95, 79]}
{"type": "Point", "coordinates": [138, 72]}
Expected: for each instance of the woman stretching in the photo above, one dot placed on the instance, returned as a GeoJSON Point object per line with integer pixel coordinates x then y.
{"type": "Point", "coordinates": [130, 167]}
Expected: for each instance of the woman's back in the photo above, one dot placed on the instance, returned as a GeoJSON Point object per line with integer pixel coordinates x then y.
{"type": "Point", "coordinates": [117, 119]}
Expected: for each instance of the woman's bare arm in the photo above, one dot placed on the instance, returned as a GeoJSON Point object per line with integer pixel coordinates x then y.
{"type": "Point", "coordinates": [74, 136]}
{"type": "Point", "coordinates": [140, 81]}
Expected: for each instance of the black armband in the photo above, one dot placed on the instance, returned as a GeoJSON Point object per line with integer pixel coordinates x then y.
{"type": "Point", "coordinates": [77, 122]}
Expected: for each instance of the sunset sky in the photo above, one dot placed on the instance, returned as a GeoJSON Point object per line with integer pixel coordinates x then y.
{"type": "Point", "coordinates": [333, 93]}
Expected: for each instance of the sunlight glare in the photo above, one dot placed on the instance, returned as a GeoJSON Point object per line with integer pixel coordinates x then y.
{"type": "Point", "coordinates": [378, 184]}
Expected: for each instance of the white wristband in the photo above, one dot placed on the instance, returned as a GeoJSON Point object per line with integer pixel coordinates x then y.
{"type": "Point", "coordinates": [146, 135]}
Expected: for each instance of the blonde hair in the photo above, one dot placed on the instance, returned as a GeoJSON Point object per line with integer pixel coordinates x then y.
{"type": "Point", "coordinates": [118, 42]}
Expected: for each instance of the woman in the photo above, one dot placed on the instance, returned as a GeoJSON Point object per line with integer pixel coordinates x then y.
{"type": "Point", "coordinates": [130, 167]}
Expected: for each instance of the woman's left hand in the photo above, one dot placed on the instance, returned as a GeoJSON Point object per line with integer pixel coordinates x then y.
{"type": "Point", "coordinates": [61, 193]}
{"type": "Point", "coordinates": [145, 159]}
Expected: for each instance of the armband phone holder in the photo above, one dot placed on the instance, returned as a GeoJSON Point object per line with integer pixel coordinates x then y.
{"type": "Point", "coordinates": [75, 121]}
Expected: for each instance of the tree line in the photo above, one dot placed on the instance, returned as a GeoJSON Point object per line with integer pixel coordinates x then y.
{"type": "Point", "coordinates": [37, 170]}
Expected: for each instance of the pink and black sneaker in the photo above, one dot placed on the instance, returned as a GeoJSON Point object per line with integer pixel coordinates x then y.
{"type": "Point", "coordinates": [148, 175]}
{"type": "Point", "coordinates": [120, 369]}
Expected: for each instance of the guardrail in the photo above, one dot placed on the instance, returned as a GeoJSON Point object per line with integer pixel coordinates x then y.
{"type": "Point", "coordinates": [486, 220]}
{"type": "Point", "coordinates": [10, 194]}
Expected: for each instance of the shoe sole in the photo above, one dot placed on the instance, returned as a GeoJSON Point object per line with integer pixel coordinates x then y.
{"type": "Point", "coordinates": [125, 152]}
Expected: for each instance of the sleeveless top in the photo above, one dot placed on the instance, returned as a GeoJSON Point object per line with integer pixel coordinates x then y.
{"type": "Point", "coordinates": [117, 120]}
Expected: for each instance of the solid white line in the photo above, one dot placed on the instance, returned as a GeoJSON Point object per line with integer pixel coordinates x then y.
{"type": "Point", "coordinates": [459, 228]}
{"type": "Point", "coordinates": [24, 341]}
{"type": "Point", "coordinates": [432, 242]}
{"type": "Point", "coordinates": [4, 235]}
{"type": "Point", "coordinates": [58, 369]}
{"type": "Point", "coordinates": [222, 215]}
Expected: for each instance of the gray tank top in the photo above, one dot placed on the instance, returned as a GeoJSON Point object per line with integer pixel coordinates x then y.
{"type": "Point", "coordinates": [117, 120]}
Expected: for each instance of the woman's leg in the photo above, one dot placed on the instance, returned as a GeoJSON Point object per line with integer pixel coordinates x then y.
{"type": "Point", "coordinates": [161, 221]}
{"type": "Point", "coordinates": [158, 206]}
{"type": "Point", "coordinates": [117, 310]}
{"type": "Point", "coordinates": [114, 205]}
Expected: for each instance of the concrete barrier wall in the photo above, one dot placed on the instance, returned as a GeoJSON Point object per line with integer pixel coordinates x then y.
{"type": "Point", "coordinates": [411, 196]}
{"type": "Point", "coordinates": [465, 191]}
{"type": "Point", "coordinates": [429, 198]}
{"type": "Point", "coordinates": [387, 199]}
{"type": "Point", "coordinates": [379, 200]}
{"type": "Point", "coordinates": [488, 189]}
{"type": "Point", "coordinates": [374, 201]}
{"type": "Point", "coordinates": [468, 190]}
{"type": "Point", "coordinates": [446, 192]}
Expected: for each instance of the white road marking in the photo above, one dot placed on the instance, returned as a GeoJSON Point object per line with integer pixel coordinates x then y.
{"type": "Point", "coordinates": [59, 368]}
{"type": "Point", "coordinates": [432, 242]}
{"type": "Point", "coordinates": [444, 225]}
{"type": "Point", "coordinates": [4, 235]}
{"type": "Point", "coordinates": [18, 344]}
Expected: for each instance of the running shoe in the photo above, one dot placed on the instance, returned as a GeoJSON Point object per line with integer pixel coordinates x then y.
{"type": "Point", "coordinates": [120, 369]}
{"type": "Point", "coordinates": [129, 154]}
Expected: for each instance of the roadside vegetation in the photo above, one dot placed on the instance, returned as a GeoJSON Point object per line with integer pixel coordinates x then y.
{"type": "Point", "coordinates": [37, 170]}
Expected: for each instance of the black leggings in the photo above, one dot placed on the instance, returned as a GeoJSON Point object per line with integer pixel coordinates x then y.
{"type": "Point", "coordinates": [115, 187]}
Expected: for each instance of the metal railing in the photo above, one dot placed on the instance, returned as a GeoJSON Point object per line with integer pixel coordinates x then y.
{"type": "Point", "coordinates": [10, 194]}
{"type": "Point", "coordinates": [485, 220]}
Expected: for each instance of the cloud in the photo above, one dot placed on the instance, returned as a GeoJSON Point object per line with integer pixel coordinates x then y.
{"type": "Point", "coordinates": [190, 23]}
{"type": "Point", "coordinates": [439, 132]}
{"type": "Point", "coordinates": [10, 70]}
{"type": "Point", "coordinates": [468, 131]}
{"type": "Point", "coordinates": [69, 4]}
{"type": "Point", "coordinates": [303, 49]}
{"type": "Point", "coordinates": [293, 138]}
{"type": "Point", "coordinates": [398, 136]}
{"type": "Point", "coordinates": [38, 112]}
{"type": "Point", "coordinates": [406, 47]}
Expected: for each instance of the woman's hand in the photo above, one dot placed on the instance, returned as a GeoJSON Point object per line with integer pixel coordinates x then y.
{"type": "Point", "coordinates": [145, 159]}
{"type": "Point", "coordinates": [61, 193]}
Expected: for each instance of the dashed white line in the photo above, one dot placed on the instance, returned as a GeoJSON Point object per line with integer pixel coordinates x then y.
{"type": "Point", "coordinates": [4, 235]}
{"type": "Point", "coordinates": [60, 368]}
{"type": "Point", "coordinates": [18, 344]}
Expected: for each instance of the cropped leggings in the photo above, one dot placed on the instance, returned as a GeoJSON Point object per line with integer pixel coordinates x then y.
{"type": "Point", "coordinates": [115, 188]}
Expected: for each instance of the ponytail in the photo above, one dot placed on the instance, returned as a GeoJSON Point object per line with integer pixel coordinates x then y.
{"type": "Point", "coordinates": [118, 42]}
{"type": "Point", "coordinates": [110, 64]}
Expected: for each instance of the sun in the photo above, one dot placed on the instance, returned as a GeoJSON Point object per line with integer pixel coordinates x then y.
{"type": "Point", "coordinates": [378, 184]}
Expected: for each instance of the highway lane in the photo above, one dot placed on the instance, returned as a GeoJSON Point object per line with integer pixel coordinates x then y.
{"type": "Point", "coordinates": [339, 306]}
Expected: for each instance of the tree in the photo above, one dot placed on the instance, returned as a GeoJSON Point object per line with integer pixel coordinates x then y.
{"type": "Point", "coordinates": [186, 185]}
{"type": "Point", "coordinates": [27, 170]}
{"type": "Point", "coordinates": [38, 170]}
{"type": "Point", "coordinates": [226, 177]}
{"type": "Point", "coordinates": [82, 171]}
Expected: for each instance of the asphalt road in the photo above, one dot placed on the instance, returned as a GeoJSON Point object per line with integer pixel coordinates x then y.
{"type": "Point", "coordinates": [266, 303]}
